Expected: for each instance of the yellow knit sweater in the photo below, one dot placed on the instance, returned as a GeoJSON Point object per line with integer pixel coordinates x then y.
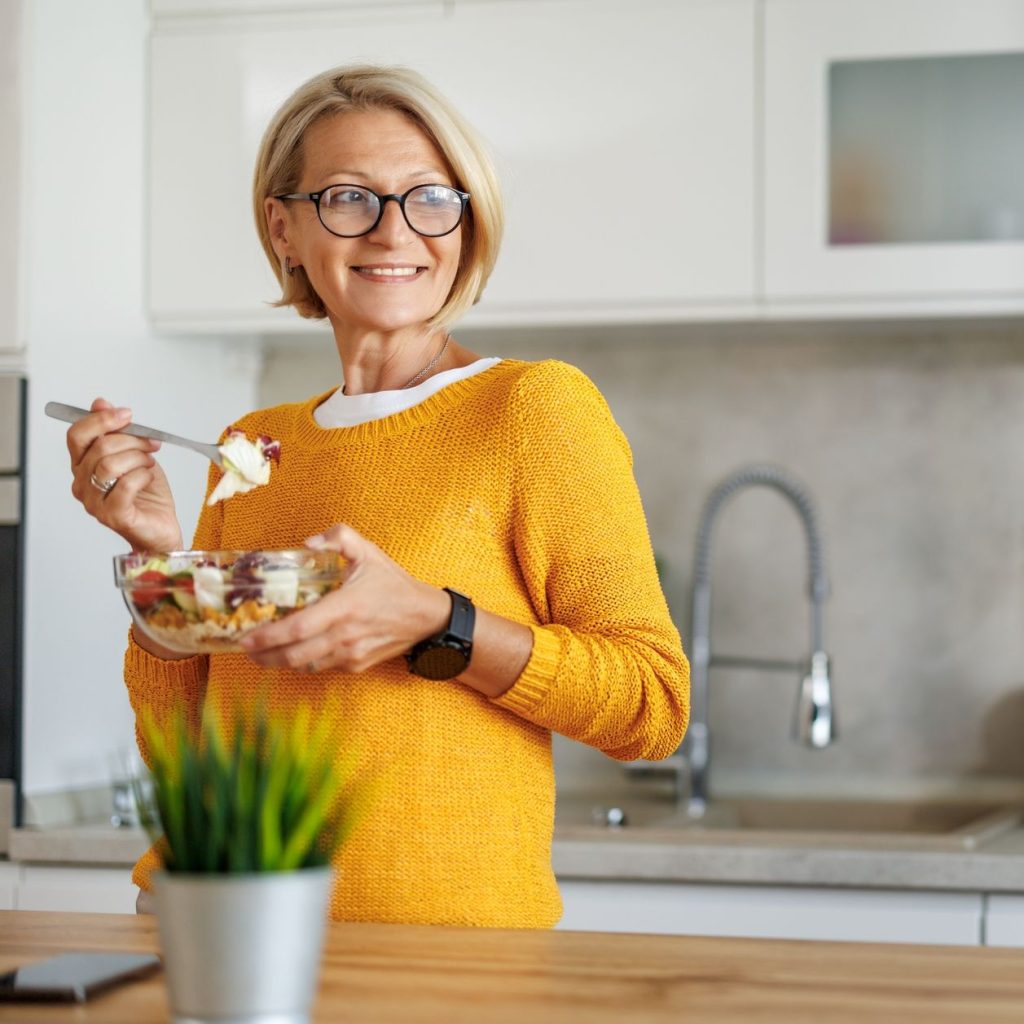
{"type": "Point", "coordinates": [514, 486]}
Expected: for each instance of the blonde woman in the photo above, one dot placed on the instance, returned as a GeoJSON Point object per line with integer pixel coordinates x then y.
{"type": "Point", "coordinates": [502, 585]}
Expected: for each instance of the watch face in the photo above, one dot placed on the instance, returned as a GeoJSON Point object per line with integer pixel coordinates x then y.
{"type": "Point", "coordinates": [441, 662]}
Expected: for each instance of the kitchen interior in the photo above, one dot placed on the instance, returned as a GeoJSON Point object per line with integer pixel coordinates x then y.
{"type": "Point", "coordinates": [814, 264]}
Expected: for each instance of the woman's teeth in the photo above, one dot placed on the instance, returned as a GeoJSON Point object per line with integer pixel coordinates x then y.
{"type": "Point", "coordinates": [388, 271]}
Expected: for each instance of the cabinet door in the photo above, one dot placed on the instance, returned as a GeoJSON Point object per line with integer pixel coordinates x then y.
{"type": "Point", "coordinates": [623, 135]}
{"type": "Point", "coordinates": [1004, 921]}
{"type": "Point", "coordinates": [89, 890]}
{"type": "Point", "coordinates": [775, 912]}
{"type": "Point", "coordinates": [220, 8]}
{"type": "Point", "coordinates": [894, 154]}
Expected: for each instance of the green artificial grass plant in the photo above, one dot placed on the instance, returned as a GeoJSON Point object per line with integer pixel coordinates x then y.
{"type": "Point", "coordinates": [269, 794]}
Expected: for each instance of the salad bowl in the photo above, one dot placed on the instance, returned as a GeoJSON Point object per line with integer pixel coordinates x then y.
{"type": "Point", "coordinates": [204, 602]}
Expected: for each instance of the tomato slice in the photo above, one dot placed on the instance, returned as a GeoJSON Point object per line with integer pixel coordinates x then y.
{"type": "Point", "coordinates": [146, 596]}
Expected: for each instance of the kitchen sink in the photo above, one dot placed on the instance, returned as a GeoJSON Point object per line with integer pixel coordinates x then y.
{"type": "Point", "coordinates": [929, 823]}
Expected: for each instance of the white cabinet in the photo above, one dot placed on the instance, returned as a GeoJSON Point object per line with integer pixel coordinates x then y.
{"type": "Point", "coordinates": [756, 911]}
{"type": "Point", "coordinates": [10, 874]}
{"type": "Point", "coordinates": [894, 155]}
{"type": "Point", "coordinates": [91, 890]}
{"type": "Point", "coordinates": [204, 9]}
{"type": "Point", "coordinates": [624, 136]}
{"type": "Point", "coordinates": [662, 159]}
{"type": "Point", "coordinates": [1004, 920]}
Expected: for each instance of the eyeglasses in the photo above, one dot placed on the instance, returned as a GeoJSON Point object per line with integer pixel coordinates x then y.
{"type": "Point", "coordinates": [349, 211]}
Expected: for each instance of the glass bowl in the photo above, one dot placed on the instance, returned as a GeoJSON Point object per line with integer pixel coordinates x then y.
{"type": "Point", "coordinates": [204, 602]}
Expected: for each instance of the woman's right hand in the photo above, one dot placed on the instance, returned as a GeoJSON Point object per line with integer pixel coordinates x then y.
{"type": "Point", "coordinates": [140, 506]}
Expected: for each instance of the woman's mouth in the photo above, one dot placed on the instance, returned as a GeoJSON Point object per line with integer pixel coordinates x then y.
{"type": "Point", "coordinates": [389, 274]}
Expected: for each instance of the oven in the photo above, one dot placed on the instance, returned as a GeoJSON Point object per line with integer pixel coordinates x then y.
{"type": "Point", "coordinates": [12, 562]}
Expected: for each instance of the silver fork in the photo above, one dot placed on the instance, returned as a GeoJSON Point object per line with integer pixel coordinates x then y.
{"type": "Point", "coordinates": [72, 414]}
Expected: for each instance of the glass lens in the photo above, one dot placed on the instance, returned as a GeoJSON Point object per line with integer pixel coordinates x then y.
{"type": "Point", "coordinates": [348, 209]}
{"type": "Point", "coordinates": [433, 209]}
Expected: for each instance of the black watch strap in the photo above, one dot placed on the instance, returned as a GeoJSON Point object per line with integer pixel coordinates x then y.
{"type": "Point", "coordinates": [447, 654]}
{"type": "Point", "coordinates": [463, 617]}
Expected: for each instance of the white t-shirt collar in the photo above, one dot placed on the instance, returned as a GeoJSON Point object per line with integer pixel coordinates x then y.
{"type": "Point", "coordinates": [341, 410]}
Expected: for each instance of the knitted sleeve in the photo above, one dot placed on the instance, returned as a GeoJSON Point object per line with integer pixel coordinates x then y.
{"type": "Point", "coordinates": [607, 667]}
{"type": "Point", "coordinates": [164, 685]}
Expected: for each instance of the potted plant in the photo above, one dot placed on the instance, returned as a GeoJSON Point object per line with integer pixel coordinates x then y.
{"type": "Point", "coordinates": [246, 821]}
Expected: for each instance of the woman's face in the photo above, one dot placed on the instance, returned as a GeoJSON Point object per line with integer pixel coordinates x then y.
{"type": "Point", "coordinates": [387, 152]}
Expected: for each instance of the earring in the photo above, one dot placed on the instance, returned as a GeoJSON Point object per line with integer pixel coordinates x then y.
{"type": "Point", "coordinates": [288, 268]}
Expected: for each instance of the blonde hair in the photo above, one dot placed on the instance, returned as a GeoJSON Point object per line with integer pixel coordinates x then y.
{"type": "Point", "coordinates": [373, 87]}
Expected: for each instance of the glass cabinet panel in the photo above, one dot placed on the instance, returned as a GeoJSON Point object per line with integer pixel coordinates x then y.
{"type": "Point", "coordinates": [926, 150]}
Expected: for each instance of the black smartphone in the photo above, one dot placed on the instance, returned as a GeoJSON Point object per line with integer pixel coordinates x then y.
{"type": "Point", "coordinates": [74, 977]}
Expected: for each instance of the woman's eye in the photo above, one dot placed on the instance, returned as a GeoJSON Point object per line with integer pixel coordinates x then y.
{"type": "Point", "coordinates": [346, 197]}
{"type": "Point", "coordinates": [434, 197]}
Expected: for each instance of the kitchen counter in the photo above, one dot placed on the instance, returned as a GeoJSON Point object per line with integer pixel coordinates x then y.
{"type": "Point", "coordinates": [407, 974]}
{"type": "Point", "coordinates": [652, 855]}
{"type": "Point", "coordinates": [87, 845]}
{"type": "Point", "coordinates": [677, 856]}
{"type": "Point", "coordinates": [985, 858]}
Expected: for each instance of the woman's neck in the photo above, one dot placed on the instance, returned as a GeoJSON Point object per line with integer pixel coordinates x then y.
{"type": "Point", "coordinates": [377, 361]}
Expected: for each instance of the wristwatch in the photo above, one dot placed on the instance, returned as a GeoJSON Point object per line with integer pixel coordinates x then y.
{"type": "Point", "coordinates": [446, 654]}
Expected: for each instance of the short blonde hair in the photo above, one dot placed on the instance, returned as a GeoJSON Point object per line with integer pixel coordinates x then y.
{"type": "Point", "coordinates": [374, 87]}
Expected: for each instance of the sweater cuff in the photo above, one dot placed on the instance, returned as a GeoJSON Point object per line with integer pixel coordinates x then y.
{"type": "Point", "coordinates": [142, 873]}
{"type": "Point", "coordinates": [146, 675]}
{"type": "Point", "coordinates": [534, 683]}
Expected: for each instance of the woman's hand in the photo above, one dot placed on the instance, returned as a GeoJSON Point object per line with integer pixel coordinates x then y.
{"type": "Point", "coordinates": [379, 613]}
{"type": "Point", "coordinates": [139, 506]}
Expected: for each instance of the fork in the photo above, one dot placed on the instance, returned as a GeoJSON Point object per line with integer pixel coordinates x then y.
{"type": "Point", "coordinates": [72, 414]}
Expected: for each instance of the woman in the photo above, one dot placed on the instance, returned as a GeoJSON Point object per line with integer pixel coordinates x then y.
{"type": "Point", "coordinates": [437, 474]}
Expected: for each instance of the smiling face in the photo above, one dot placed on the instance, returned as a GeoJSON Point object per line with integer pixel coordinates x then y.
{"type": "Point", "coordinates": [391, 278]}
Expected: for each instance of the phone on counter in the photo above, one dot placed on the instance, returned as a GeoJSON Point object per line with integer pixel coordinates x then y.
{"type": "Point", "coordinates": [74, 977]}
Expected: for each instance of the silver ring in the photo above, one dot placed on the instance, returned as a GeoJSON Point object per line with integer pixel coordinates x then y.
{"type": "Point", "coordinates": [106, 486]}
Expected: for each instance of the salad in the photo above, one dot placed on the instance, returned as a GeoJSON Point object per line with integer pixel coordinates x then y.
{"type": "Point", "coordinates": [246, 464]}
{"type": "Point", "coordinates": [205, 601]}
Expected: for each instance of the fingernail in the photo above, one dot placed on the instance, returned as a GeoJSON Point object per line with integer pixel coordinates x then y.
{"type": "Point", "coordinates": [124, 413]}
{"type": "Point", "coordinates": [247, 642]}
{"type": "Point", "coordinates": [315, 542]}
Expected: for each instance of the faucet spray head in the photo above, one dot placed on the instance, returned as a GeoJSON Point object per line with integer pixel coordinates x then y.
{"type": "Point", "coordinates": [814, 724]}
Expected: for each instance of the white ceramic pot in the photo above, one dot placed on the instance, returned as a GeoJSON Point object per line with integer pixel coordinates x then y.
{"type": "Point", "coordinates": [242, 949]}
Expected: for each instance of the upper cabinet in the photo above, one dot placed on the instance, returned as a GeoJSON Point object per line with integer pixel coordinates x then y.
{"type": "Point", "coordinates": [894, 155]}
{"type": "Point", "coordinates": [661, 159]}
{"type": "Point", "coordinates": [623, 134]}
{"type": "Point", "coordinates": [219, 8]}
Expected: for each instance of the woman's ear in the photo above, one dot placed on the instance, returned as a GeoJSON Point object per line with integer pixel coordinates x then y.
{"type": "Point", "coordinates": [278, 228]}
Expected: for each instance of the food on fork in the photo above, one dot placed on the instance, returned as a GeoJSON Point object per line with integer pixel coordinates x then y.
{"type": "Point", "coordinates": [246, 464]}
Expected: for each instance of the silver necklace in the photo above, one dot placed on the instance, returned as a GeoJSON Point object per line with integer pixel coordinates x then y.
{"type": "Point", "coordinates": [426, 369]}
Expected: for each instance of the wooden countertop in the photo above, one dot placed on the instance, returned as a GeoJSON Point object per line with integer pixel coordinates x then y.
{"type": "Point", "coordinates": [406, 974]}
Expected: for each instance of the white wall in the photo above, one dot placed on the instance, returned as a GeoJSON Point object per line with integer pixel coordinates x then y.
{"type": "Point", "coordinates": [11, 60]}
{"type": "Point", "coordinates": [87, 335]}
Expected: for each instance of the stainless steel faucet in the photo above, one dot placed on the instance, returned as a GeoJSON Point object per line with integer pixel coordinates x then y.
{"type": "Point", "coordinates": [814, 722]}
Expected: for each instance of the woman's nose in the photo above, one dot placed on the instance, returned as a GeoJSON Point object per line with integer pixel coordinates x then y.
{"type": "Point", "coordinates": [392, 228]}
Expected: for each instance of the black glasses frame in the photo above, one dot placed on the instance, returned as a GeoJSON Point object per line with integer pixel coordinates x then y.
{"type": "Point", "coordinates": [314, 198]}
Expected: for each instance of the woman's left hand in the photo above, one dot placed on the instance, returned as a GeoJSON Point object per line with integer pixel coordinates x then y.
{"type": "Point", "coordinates": [379, 613]}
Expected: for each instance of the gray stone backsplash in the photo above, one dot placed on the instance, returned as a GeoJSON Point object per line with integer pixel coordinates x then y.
{"type": "Point", "coordinates": [911, 438]}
